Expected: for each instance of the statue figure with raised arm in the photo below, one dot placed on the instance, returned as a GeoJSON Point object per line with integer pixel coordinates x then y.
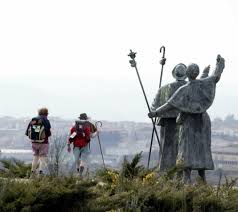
{"type": "Point", "coordinates": [193, 100]}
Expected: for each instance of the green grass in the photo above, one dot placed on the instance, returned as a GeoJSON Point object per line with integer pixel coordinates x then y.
{"type": "Point", "coordinates": [133, 188]}
{"type": "Point", "coordinates": [14, 168]}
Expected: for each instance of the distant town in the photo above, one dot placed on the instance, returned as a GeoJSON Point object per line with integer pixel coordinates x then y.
{"type": "Point", "coordinates": [121, 139]}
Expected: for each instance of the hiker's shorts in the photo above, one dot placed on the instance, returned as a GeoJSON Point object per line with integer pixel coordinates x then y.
{"type": "Point", "coordinates": [81, 153]}
{"type": "Point", "coordinates": [40, 149]}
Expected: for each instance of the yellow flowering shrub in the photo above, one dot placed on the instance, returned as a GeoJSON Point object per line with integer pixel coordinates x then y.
{"type": "Point", "coordinates": [149, 177]}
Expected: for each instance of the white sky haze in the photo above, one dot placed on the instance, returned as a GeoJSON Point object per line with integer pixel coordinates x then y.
{"type": "Point", "coordinates": [71, 56]}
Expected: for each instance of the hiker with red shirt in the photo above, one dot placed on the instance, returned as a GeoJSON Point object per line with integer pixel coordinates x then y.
{"type": "Point", "coordinates": [38, 131]}
{"type": "Point", "coordinates": [80, 137]}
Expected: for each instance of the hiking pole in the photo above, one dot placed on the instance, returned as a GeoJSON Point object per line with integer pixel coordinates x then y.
{"type": "Point", "coordinates": [132, 55]}
{"type": "Point", "coordinates": [96, 124]}
{"type": "Point", "coordinates": [160, 81]}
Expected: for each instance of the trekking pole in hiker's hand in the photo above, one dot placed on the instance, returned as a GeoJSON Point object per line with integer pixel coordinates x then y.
{"type": "Point", "coordinates": [100, 146]}
{"type": "Point", "coordinates": [153, 114]}
{"type": "Point", "coordinates": [132, 55]}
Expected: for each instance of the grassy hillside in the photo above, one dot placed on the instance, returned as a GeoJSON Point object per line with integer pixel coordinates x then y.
{"type": "Point", "coordinates": [133, 188]}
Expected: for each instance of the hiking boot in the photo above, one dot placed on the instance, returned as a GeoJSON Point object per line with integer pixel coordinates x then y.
{"type": "Point", "coordinates": [78, 173]}
{"type": "Point", "coordinates": [81, 168]}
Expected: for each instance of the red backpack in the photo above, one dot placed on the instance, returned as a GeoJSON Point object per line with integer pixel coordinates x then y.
{"type": "Point", "coordinates": [80, 129]}
{"type": "Point", "coordinates": [80, 132]}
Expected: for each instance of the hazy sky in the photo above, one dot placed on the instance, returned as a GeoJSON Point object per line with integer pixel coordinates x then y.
{"type": "Point", "coordinates": [71, 56]}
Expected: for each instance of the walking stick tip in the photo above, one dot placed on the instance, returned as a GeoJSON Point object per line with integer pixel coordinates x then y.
{"type": "Point", "coordinates": [162, 48]}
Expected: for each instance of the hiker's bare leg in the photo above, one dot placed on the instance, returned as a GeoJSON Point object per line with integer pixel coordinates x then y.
{"type": "Point", "coordinates": [82, 163]}
{"type": "Point", "coordinates": [35, 162]}
{"type": "Point", "coordinates": [84, 157]}
{"type": "Point", "coordinates": [43, 162]}
{"type": "Point", "coordinates": [78, 162]}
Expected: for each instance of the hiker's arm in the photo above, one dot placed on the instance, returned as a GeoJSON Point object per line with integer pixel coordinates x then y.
{"type": "Point", "coordinates": [49, 133]}
{"type": "Point", "coordinates": [47, 126]}
{"type": "Point", "coordinates": [94, 128]}
{"type": "Point", "coordinates": [26, 133]}
{"type": "Point", "coordinates": [94, 131]}
{"type": "Point", "coordinates": [72, 130]}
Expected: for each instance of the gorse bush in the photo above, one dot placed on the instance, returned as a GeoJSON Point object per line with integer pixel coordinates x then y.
{"type": "Point", "coordinates": [14, 168]}
{"type": "Point", "coordinates": [132, 188]}
{"type": "Point", "coordinates": [54, 194]}
{"type": "Point", "coordinates": [132, 169]}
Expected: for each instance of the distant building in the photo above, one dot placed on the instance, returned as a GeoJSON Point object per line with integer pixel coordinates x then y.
{"type": "Point", "coordinates": [227, 159]}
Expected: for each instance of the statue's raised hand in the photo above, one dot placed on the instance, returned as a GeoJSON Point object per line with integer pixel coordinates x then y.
{"type": "Point", "coordinates": [218, 57]}
{"type": "Point", "coordinates": [219, 67]}
{"type": "Point", "coordinates": [220, 62]}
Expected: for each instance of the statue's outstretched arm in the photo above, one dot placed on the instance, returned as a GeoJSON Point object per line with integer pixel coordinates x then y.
{"type": "Point", "coordinates": [162, 109]}
{"type": "Point", "coordinates": [220, 65]}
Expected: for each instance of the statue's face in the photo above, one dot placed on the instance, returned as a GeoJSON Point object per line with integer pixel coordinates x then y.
{"type": "Point", "coordinates": [192, 71]}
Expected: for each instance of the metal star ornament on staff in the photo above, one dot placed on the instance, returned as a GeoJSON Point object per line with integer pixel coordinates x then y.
{"type": "Point", "coordinates": [132, 55]}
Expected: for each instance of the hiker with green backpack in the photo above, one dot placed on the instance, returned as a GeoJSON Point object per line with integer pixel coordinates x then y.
{"type": "Point", "coordinates": [38, 131]}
